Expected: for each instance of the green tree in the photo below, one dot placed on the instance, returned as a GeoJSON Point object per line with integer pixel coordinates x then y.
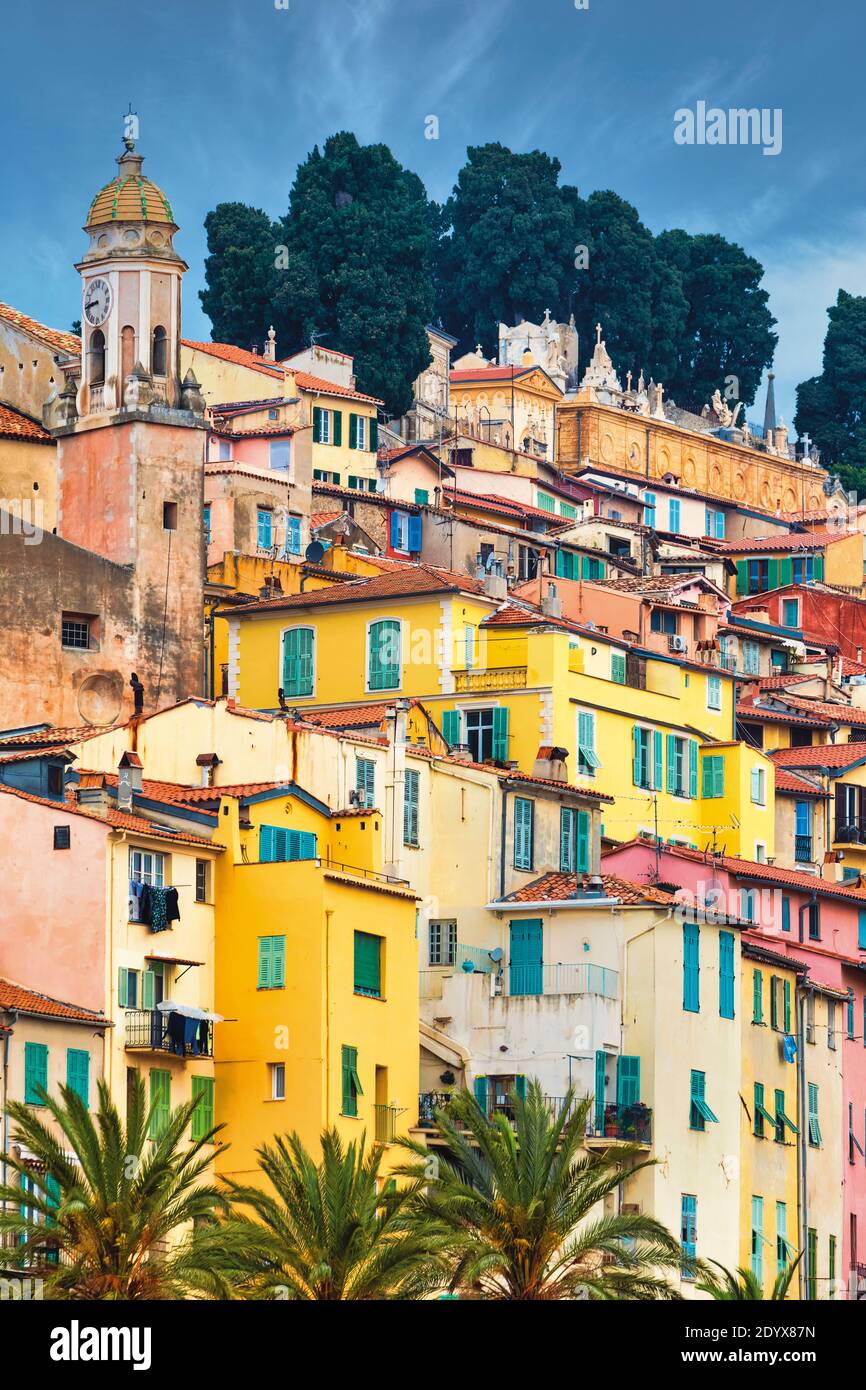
{"type": "Point", "coordinates": [508, 244]}
{"type": "Point", "coordinates": [240, 273]}
{"type": "Point", "coordinates": [743, 1286]}
{"type": "Point", "coordinates": [729, 328]}
{"type": "Point", "coordinates": [124, 1212]}
{"type": "Point", "coordinates": [524, 1206]}
{"type": "Point", "coordinates": [329, 1230]}
{"type": "Point", "coordinates": [617, 288]}
{"type": "Point", "coordinates": [831, 408]}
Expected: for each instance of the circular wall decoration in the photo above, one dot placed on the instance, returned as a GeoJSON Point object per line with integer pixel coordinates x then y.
{"type": "Point", "coordinates": [607, 450]}
{"type": "Point", "coordinates": [690, 470]}
{"type": "Point", "coordinates": [789, 500]}
{"type": "Point", "coordinates": [100, 697]}
{"type": "Point", "coordinates": [739, 486]}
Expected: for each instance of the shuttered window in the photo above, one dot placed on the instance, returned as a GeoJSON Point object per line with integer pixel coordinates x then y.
{"type": "Point", "coordinates": [278, 845]}
{"type": "Point", "coordinates": [524, 812]}
{"type": "Point", "coordinates": [814, 1126]}
{"type": "Point", "coordinates": [365, 780]}
{"type": "Point", "coordinates": [160, 1102]}
{"type": "Point", "coordinates": [298, 650]}
{"type": "Point", "coordinates": [757, 997]}
{"type": "Point", "coordinates": [726, 974]}
{"type": "Point", "coordinates": [202, 1119]}
{"type": "Point", "coordinates": [35, 1072]}
{"type": "Point", "coordinates": [762, 1115]}
{"type": "Point", "coordinates": [384, 655]}
{"type": "Point", "coordinates": [699, 1112]}
{"type": "Point", "coordinates": [689, 1231]}
{"type": "Point", "coordinates": [411, 784]}
{"type": "Point", "coordinates": [691, 968]}
{"type": "Point", "coordinates": [451, 727]}
{"type": "Point", "coordinates": [368, 964]}
{"type": "Point", "coordinates": [271, 962]}
{"type": "Point", "coordinates": [78, 1072]}
{"type": "Point", "coordinates": [351, 1084]}
{"type": "Point", "coordinates": [713, 776]}
{"type": "Point", "coordinates": [617, 667]}
{"type": "Point", "coordinates": [500, 734]}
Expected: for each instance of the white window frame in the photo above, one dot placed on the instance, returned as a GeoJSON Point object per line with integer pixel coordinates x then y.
{"type": "Point", "coordinates": [714, 683]}
{"type": "Point", "coordinates": [761, 798]}
{"type": "Point", "coordinates": [147, 866]}
{"type": "Point", "coordinates": [278, 1080]}
{"type": "Point", "coordinates": [760, 852]}
{"type": "Point", "coordinates": [361, 432]}
{"type": "Point", "coordinates": [325, 431]}
{"type": "Point", "coordinates": [275, 468]}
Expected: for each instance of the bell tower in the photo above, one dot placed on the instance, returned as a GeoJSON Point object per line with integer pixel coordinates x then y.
{"type": "Point", "coordinates": [130, 295]}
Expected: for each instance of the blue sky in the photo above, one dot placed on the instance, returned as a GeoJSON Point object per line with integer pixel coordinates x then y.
{"type": "Point", "coordinates": [232, 94]}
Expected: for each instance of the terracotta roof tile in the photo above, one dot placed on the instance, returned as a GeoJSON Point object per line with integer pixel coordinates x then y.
{"type": "Point", "coordinates": [119, 820]}
{"type": "Point", "coordinates": [27, 1001]}
{"type": "Point", "coordinates": [778, 682]}
{"type": "Point", "coordinates": [558, 887]}
{"type": "Point", "coordinates": [806, 540]}
{"type": "Point", "coordinates": [408, 581]}
{"type": "Point", "coordinates": [650, 584]}
{"type": "Point", "coordinates": [227, 352]}
{"type": "Point", "coordinates": [841, 714]}
{"type": "Point", "coordinates": [52, 337]}
{"type": "Point", "coordinates": [15, 425]}
{"type": "Point", "coordinates": [791, 783]}
{"type": "Point", "coordinates": [747, 709]}
{"type": "Point", "coordinates": [322, 519]}
{"type": "Point", "coordinates": [51, 736]}
{"type": "Point", "coordinates": [308, 382]}
{"type": "Point", "coordinates": [821, 755]}
{"type": "Point", "coordinates": [747, 868]}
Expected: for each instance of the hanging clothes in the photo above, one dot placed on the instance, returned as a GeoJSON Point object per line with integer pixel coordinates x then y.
{"type": "Point", "coordinates": [190, 1034]}
{"type": "Point", "coordinates": [135, 895]}
{"type": "Point", "coordinates": [144, 903]}
{"type": "Point", "coordinates": [158, 903]}
{"type": "Point", "coordinates": [172, 907]}
{"type": "Point", "coordinates": [177, 1033]}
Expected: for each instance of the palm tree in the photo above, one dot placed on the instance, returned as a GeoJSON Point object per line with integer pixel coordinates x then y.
{"type": "Point", "coordinates": [743, 1286]}
{"type": "Point", "coordinates": [123, 1212]}
{"type": "Point", "coordinates": [331, 1231]}
{"type": "Point", "coordinates": [523, 1206]}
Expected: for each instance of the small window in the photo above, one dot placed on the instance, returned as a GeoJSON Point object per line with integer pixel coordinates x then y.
{"type": "Point", "coordinates": [264, 528]}
{"type": "Point", "coordinates": [368, 964]}
{"type": "Point", "coordinates": [160, 352]}
{"type": "Point", "coordinates": [271, 962]}
{"type": "Point", "coordinates": [201, 880]}
{"type": "Point", "coordinates": [75, 632]}
{"type": "Point", "coordinates": [169, 516]}
{"type": "Point", "coordinates": [278, 1080]}
{"type": "Point", "coordinates": [207, 529]}
{"type": "Point", "coordinates": [224, 450]}
{"type": "Point", "coordinates": [351, 1088]}
{"type": "Point", "coordinates": [279, 454]}
{"type": "Point", "coordinates": [146, 866]}
{"type": "Point", "coordinates": [411, 785]}
{"type": "Point", "coordinates": [61, 837]}
{"type": "Point", "coordinates": [293, 535]}
{"type": "Point", "coordinates": [524, 816]}
{"type": "Point", "coordinates": [442, 941]}
{"type": "Point", "coordinates": [97, 358]}
{"type": "Point", "coordinates": [714, 693]}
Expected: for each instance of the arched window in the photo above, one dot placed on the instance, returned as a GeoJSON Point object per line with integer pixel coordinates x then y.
{"type": "Point", "coordinates": [127, 352]}
{"type": "Point", "coordinates": [384, 656]}
{"type": "Point", "coordinates": [160, 352]}
{"type": "Point", "coordinates": [298, 661]}
{"type": "Point", "coordinates": [97, 357]}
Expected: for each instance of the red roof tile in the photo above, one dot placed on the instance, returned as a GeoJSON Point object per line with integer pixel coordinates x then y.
{"type": "Point", "coordinates": [119, 820]}
{"type": "Point", "coordinates": [806, 540]}
{"type": "Point", "coordinates": [407, 581]}
{"type": "Point", "coordinates": [789, 782]}
{"type": "Point", "coordinates": [322, 519]}
{"type": "Point", "coordinates": [821, 755]}
{"type": "Point", "coordinates": [308, 382]}
{"type": "Point", "coordinates": [747, 709]}
{"type": "Point", "coordinates": [747, 868]}
{"type": "Point", "coordinates": [27, 1001]}
{"type": "Point", "coordinates": [15, 425]}
{"type": "Point", "coordinates": [227, 352]}
{"type": "Point", "coordinates": [52, 337]}
{"type": "Point", "coordinates": [557, 887]}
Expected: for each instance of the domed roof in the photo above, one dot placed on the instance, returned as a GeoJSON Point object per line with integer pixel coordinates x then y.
{"type": "Point", "coordinates": [130, 197]}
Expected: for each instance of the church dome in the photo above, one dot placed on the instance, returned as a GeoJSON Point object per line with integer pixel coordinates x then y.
{"type": "Point", "coordinates": [130, 197]}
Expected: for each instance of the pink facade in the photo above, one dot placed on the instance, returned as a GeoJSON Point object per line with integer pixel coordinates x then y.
{"type": "Point", "coordinates": [834, 959]}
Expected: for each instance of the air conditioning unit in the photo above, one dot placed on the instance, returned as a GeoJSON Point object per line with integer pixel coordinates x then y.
{"type": "Point", "coordinates": [357, 798]}
{"type": "Point", "coordinates": [677, 643]}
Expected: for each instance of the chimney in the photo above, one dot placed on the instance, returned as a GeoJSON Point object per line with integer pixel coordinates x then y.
{"type": "Point", "coordinates": [550, 763]}
{"type": "Point", "coordinates": [129, 776]}
{"type": "Point", "coordinates": [832, 869]}
{"type": "Point", "coordinates": [496, 586]}
{"type": "Point", "coordinates": [271, 345]}
{"type": "Point", "coordinates": [551, 603]}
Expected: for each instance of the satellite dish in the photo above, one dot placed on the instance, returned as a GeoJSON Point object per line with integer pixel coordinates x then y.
{"type": "Point", "coordinates": [496, 954]}
{"type": "Point", "coordinates": [467, 967]}
{"type": "Point", "coordinates": [314, 552]}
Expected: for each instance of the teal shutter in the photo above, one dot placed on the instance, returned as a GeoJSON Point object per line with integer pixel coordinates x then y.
{"type": "Point", "coordinates": [202, 1119]}
{"type": "Point", "coordinates": [726, 974]}
{"type": "Point", "coordinates": [500, 733]}
{"type": "Point", "coordinates": [566, 840]}
{"type": "Point", "coordinates": [861, 929]}
{"type": "Point", "coordinates": [317, 424]}
{"type": "Point", "coordinates": [786, 571]}
{"type": "Point", "coordinates": [298, 661]}
{"type": "Point", "coordinates": [658, 772]}
{"type": "Point", "coordinates": [600, 1067]}
{"type": "Point", "coordinates": [520, 1086]}
{"type": "Point", "coordinates": [526, 956]}
{"type": "Point", "coordinates": [78, 1072]}
{"type": "Point", "coordinates": [693, 768]}
{"type": "Point", "coordinates": [385, 654]}
{"type": "Point", "coordinates": [271, 962]}
{"type": "Point", "coordinates": [267, 844]}
{"type": "Point", "coordinates": [337, 424]}
{"type": "Point", "coordinates": [148, 989]}
{"type": "Point", "coordinates": [772, 574]}
{"type": "Point", "coordinates": [757, 997]}
{"type": "Point", "coordinates": [480, 1088]}
{"type": "Point", "coordinates": [365, 780]}
{"type": "Point", "coordinates": [123, 988]}
{"type": "Point", "coordinates": [635, 754]}
{"type": "Point", "coordinates": [671, 763]}
{"type": "Point", "coordinates": [691, 968]}
{"type": "Point", "coordinates": [719, 777]}
{"type": "Point", "coordinates": [35, 1072]}
{"type": "Point", "coordinates": [368, 964]}
{"type": "Point", "coordinates": [451, 727]}
{"type": "Point", "coordinates": [523, 829]}
{"type": "Point", "coordinates": [583, 842]}
{"type": "Point", "coordinates": [627, 1080]}
{"type": "Point", "coordinates": [617, 667]}
{"type": "Point", "coordinates": [818, 569]}
{"type": "Point", "coordinates": [786, 913]}
{"type": "Point", "coordinates": [587, 758]}
{"type": "Point", "coordinates": [742, 577]}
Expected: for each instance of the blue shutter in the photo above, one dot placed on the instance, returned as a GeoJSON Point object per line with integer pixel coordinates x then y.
{"type": "Point", "coordinates": [500, 733]}
{"type": "Point", "coordinates": [786, 913]}
{"type": "Point", "coordinates": [451, 727]}
{"type": "Point", "coordinates": [267, 844]}
{"type": "Point", "coordinates": [414, 533]}
{"type": "Point", "coordinates": [395, 531]}
{"type": "Point", "coordinates": [726, 974]}
{"type": "Point", "coordinates": [583, 842]}
{"type": "Point", "coordinates": [600, 1066]}
{"type": "Point", "coordinates": [691, 967]}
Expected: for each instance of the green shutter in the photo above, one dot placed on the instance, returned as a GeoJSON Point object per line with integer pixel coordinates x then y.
{"type": "Point", "coordinates": [368, 964]}
{"type": "Point", "coordinates": [374, 435]}
{"type": "Point", "coordinates": [353, 430]}
{"type": "Point", "coordinates": [202, 1120]}
{"type": "Point", "coordinates": [411, 782]}
{"type": "Point", "coordinates": [35, 1072]}
{"type": "Point", "coordinates": [480, 1088]}
{"type": "Point", "coordinates": [317, 424]}
{"type": "Point", "coordinates": [719, 777]}
{"type": "Point", "coordinates": [658, 771]}
{"type": "Point", "coordinates": [671, 763]}
{"type": "Point", "coordinates": [351, 1082]}
{"type": "Point", "coordinates": [451, 727]}
{"type": "Point", "coordinates": [757, 997]}
{"type": "Point", "coordinates": [78, 1072]}
{"type": "Point", "coordinates": [627, 1080]}
{"type": "Point", "coordinates": [271, 962]}
{"type": "Point", "coordinates": [337, 424]}
{"type": "Point", "coordinates": [523, 817]}
{"type": "Point", "coordinates": [617, 667]}
{"type": "Point", "coordinates": [774, 1010]}
{"type": "Point", "coordinates": [566, 840]}
{"type": "Point", "coordinates": [298, 661]}
{"type": "Point", "coordinates": [600, 1066]}
{"type": "Point", "coordinates": [786, 571]}
{"type": "Point", "coordinates": [635, 754]}
{"type": "Point", "coordinates": [693, 768]}
{"type": "Point", "coordinates": [520, 1086]}
{"type": "Point", "coordinates": [786, 993]}
{"type": "Point", "coordinates": [160, 1102]}
{"type": "Point", "coordinates": [385, 654]}
{"type": "Point", "coordinates": [148, 989]}
{"type": "Point", "coordinates": [726, 974]}
{"type": "Point", "coordinates": [818, 568]}
{"type": "Point", "coordinates": [123, 988]}
{"type": "Point", "coordinates": [742, 577]}
{"type": "Point", "coordinates": [772, 574]}
{"type": "Point", "coordinates": [583, 842]}
{"type": "Point", "coordinates": [500, 733]}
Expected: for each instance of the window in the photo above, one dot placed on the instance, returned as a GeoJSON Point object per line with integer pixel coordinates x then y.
{"type": "Point", "coordinates": [689, 1231]}
{"type": "Point", "coordinates": [784, 1251]}
{"type": "Point", "coordinates": [442, 941]}
{"type": "Point", "coordinates": [160, 1102]}
{"type": "Point", "coordinates": [365, 780]}
{"type": "Point", "coordinates": [757, 997]}
{"type": "Point", "coordinates": [264, 528]}
{"type": "Point", "coordinates": [35, 1072]}
{"type": "Point", "coordinates": [758, 576]}
{"type": "Point", "coordinates": [780, 1004]}
{"type": "Point", "coordinates": [813, 920]}
{"type": "Point", "coordinates": [278, 845]}
{"type": "Point", "coordinates": [62, 837]}
{"type": "Point", "coordinates": [791, 612]}
{"type": "Point", "coordinates": [278, 1080]}
{"type": "Point", "coordinates": [127, 988]}
{"type": "Point", "coordinates": [758, 786]}
{"type": "Point", "coordinates": [663, 620]}
{"type": "Point", "coordinates": [384, 654]}
{"type": "Point", "coordinates": [411, 782]}
{"type": "Point", "coordinates": [782, 1122]}
{"type": "Point", "coordinates": [78, 1073]}
{"type": "Point", "coordinates": [224, 450]}
{"type": "Point", "coordinates": [146, 866]}
{"type": "Point", "coordinates": [422, 497]}
{"type": "Point", "coordinates": [691, 967]}
{"type": "Point", "coordinates": [207, 526]}
{"type": "Point", "coordinates": [587, 758]}
{"type": "Point", "coordinates": [405, 532]}
{"type": "Point", "coordinates": [762, 1115]}
{"type": "Point", "coordinates": [617, 667]}
{"type": "Point", "coordinates": [487, 734]}
{"type": "Point", "coordinates": [813, 1125]}
{"type": "Point", "coordinates": [803, 569]}
{"type": "Point", "coordinates": [646, 757]}
{"type": "Point", "coordinates": [202, 1116]}
{"type": "Point", "coordinates": [681, 764]}
{"type": "Point", "coordinates": [352, 1088]}
{"type": "Point", "coordinates": [714, 692]}
{"type": "Point", "coordinates": [368, 964]}
{"type": "Point", "coordinates": [751, 657]}
{"type": "Point", "coordinates": [748, 904]}
{"type": "Point", "coordinates": [758, 1238]}
{"type": "Point", "coordinates": [293, 535]}
{"type": "Point", "coordinates": [649, 509]}
{"type": "Point", "coordinates": [97, 358]}
{"type": "Point", "coordinates": [299, 646]}
{"type": "Point", "coordinates": [714, 524]}
{"type": "Point", "coordinates": [279, 455]}
{"type": "Point", "coordinates": [160, 351]}
{"type": "Point", "coordinates": [760, 852]}
{"type": "Point", "coordinates": [699, 1112]}
{"type": "Point", "coordinates": [803, 832]}
{"type": "Point", "coordinates": [811, 1263]}
{"type": "Point", "coordinates": [674, 514]}
{"type": "Point", "coordinates": [545, 503]}
{"type": "Point", "coordinates": [524, 816]}
{"type": "Point", "coordinates": [726, 974]}
{"type": "Point", "coordinates": [713, 776]}
{"type": "Point", "coordinates": [324, 475]}
{"type": "Point", "coordinates": [357, 432]}
{"type": "Point", "coordinates": [469, 646]}
{"type": "Point", "coordinates": [271, 962]}
{"type": "Point", "coordinates": [75, 632]}
{"type": "Point", "coordinates": [327, 426]}
{"type": "Point", "coordinates": [573, 841]}
{"type": "Point", "coordinates": [201, 880]}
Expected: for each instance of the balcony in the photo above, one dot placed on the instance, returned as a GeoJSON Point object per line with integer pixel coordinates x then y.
{"type": "Point", "coordinates": [847, 833]}
{"type": "Point", "coordinates": [620, 1124]}
{"type": "Point", "coordinates": [803, 849]}
{"type": "Point", "coordinates": [157, 1030]}
{"type": "Point", "coordinates": [583, 978]}
{"type": "Point", "coordinates": [494, 678]}
{"type": "Point", "coordinates": [431, 1101]}
{"type": "Point", "coordinates": [385, 1123]}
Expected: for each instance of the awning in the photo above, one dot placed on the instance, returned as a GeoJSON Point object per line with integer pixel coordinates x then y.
{"type": "Point", "coordinates": [172, 960]}
{"type": "Point", "coordinates": [188, 1011]}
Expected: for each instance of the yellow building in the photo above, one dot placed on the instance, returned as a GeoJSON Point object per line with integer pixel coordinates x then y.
{"type": "Point", "coordinates": [512, 406]}
{"type": "Point", "coordinates": [770, 1120]}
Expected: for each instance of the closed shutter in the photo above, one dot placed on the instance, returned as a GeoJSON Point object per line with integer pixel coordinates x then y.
{"type": "Point", "coordinates": [481, 1089]}
{"type": "Point", "coordinates": [523, 814]}
{"type": "Point", "coordinates": [757, 997]}
{"type": "Point", "coordinates": [202, 1120]}
{"type": "Point", "coordinates": [451, 727]}
{"type": "Point", "coordinates": [368, 956]}
{"type": "Point", "coordinates": [617, 667]}
{"type": "Point", "coordinates": [78, 1072]}
{"type": "Point", "coordinates": [353, 431]}
{"type": "Point", "coordinates": [374, 435]}
{"type": "Point", "coordinates": [317, 424]}
{"type": "Point", "coordinates": [500, 734]}
{"type": "Point", "coordinates": [365, 780]}
{"type": "Point", "coordinates": [742, 577]}
{"type": "Point", "coordinates": [600, 1067]}
{"type": "Point", "coordinates": [299, 844]}
{"type": "Point", "coordinates": [691, 967]}
{"type": "Point", "coordinates": [818, 569]}
{"type": "Point", "coordinates": [267, 844]}
{"type": "Point", "coordinates": [657, 760]}
{"type": "Point", "coordinates": [786, 913]}
{"type": "Point", "coordinates": [583, 842]}
{"type": "Point", "coordinates": [726, 974]}
{"type": "Point", "coordinates": [337, 423]}
{"type": "Point", "coordinates": [627, 1080]}
{"type": "Point", "coordinates": [414, 534]}
{"type": "Point", "coordinates": [861, 929]}
{"type": "Point", "coordinates": [693, 768]}
{"type": "Point", "coordinates": [566, 840]}
{"type": "Point", "coordinates": [671, 763]}
{"type": "Point", "coordinates": [148, 989]}
{"type": "Point", "coordinates": [35, 1072]}
{"type": "Point", "coordinates": [719, 776]}
{"type": "Point", "coordinates": [160, 1102]}
{"type": "Point", "coordinates": [411, 782]}
{"type": "Point", "coordinates": [298, 661]}
{"type": "Point", "coordinates": [271, 962]}
{"type": "Point", "coordinates": [772, 574]}
{"type": "Point", "coordinates": [786, 571]}
{"type": "Point", "coordinates": [520, 1086]}
{"type": "Point", "coordinates": [384, 655]}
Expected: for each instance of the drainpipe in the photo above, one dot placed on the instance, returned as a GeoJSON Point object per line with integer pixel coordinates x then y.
{"type": "Point", "coordinates": [802, 1145]}
{"type": "Point", "coordinates": [502, 837]}
{"type": "Point", "coordinates": [7, 1034]}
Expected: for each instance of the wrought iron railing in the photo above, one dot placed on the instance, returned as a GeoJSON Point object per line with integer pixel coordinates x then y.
{"type": "Point", "coordinates": [495, 678]}
{"type": "Point", "coordinates": [632, 1123]}
{"type": "Point", "coordinates": [431, 1101]}
{"type": "Point", "coordinates": [150, 1030]}
{"type": "Point", "coordinates": [803, 849]}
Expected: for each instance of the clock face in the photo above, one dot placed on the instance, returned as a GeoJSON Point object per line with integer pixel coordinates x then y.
{"type": "Point", "coordinates": [97, 301]}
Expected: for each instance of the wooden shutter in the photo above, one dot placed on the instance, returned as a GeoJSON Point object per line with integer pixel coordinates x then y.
{"type": "Point", "coordinates": [671, 762]}
{"type": "Point", "coordinates": [160, 1101]}
{"type": "Point", "coordinates": [500, 733]}
{"type": "Point", "coordinates": [414, 534]}
{"type": "Point", "coordinates": [635, 754]}
{"type": "Point", "coordinates": [691, 967]}
{"type": "Point", "coordinates": [757, 997]}
{"type": "Point", "coordinates": [658, 772]}
{"type": "Point", "coordinates": [583, 842]}
{"type": "Point", "coordinates": [337, 423]}
{"type": "Point", "coordinates": [480, 1089]}
{"type": "Point", "coordinates": [122, 987]}
{"type": "Point", "coordinates": [148, 989]}
{"type": "Point", "coordinates": [353, 430]}
{"type": "Point", "coordinates": [774, 1005]}
{"type": "Point", "coordinates": [693, 768]}
{"type": "Point", "coordinates": [351, 1084]}
{"type": "Point", "coordinates": [627, 1080]}
{"type": "Point", "coordinates": [203, 1116]}
{"type": "Point", "coordinates": [726, 974]}
{"type": "Point", "coordinates": [263, 979]}
{"type": "Point", "coordinates": [742, 577]}
{"type": "Point", "coordinates": [374, 435]}
{"type": "Point", "coordinates": [410, 807]}
{"type": "Point", "coordinates": [566, 840]}
{"type": "Point", "coordinates": [451, 727]}
{"type": "Point", "coordinates": [317, 424]}
{"type": "Point", "coordinates": [78, 1072]}
{"type": "Point", "coordinates": [368, 958]}
{"type": "Point", "coordinates": [35, 1072]}
{"type": "Point", "coordinates": [600, 1067]}
{"type": "Point", "coordinates": [786, 571]}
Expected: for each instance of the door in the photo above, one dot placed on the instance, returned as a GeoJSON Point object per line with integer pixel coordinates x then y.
{"type": "Point", "coordinates": [526, 956]}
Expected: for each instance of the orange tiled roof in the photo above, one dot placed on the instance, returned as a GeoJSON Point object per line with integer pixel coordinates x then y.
{"type": "Point", "coordinates": [322, 519]}
{"type": "Point", "coordinates": [54, 737]}
{"type": "Point", "coordinates": [308, 382]}
{"type": "Point", "coordinates": [120, 820]}
{"type": "Point", "coordinates": [747, 868]}
{"type": "Point", "coordinates": [821, 755]}
{"type": "Point", "coordinates": [27, 1001]}
{"type": "Point", "coordinates": [129, 198]}
{"type": "Point", "coordinates": [778, 682]}
{"type": "Point", "coordinates": [558, 887]}
{"type": "Point", "coordinates": [15, 425]}
{"type": "Point", "coordinates": [747, 709]}
{"type": "Point", "coordinates": [840, 714]}
{"type": "Point", "coordinates": [52, 337]}
{"type": "Point", "coordinates": [227, 352]}
{"type": "Point", "coordinates": [806, 540]}
{"type": "Point", "coordinates": [408, 581]}
{"type": "Point", "coordinates": [790, 782]}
